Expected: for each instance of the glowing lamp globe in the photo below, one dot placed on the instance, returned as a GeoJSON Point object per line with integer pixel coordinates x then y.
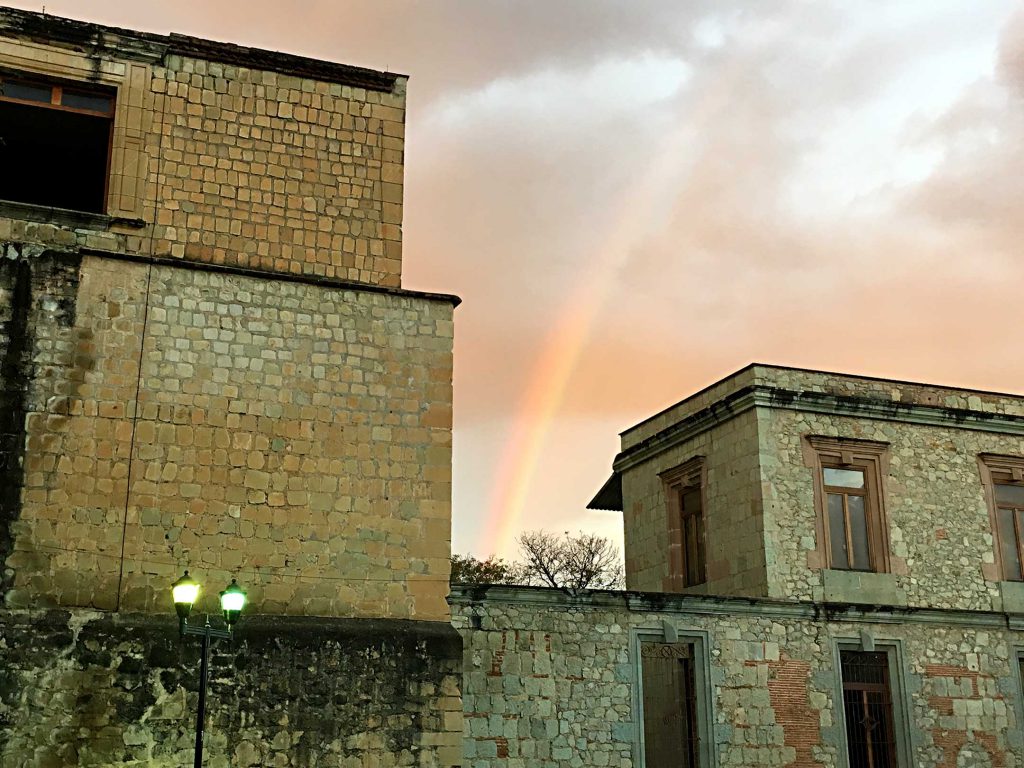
{"type": "Point", "coordinates": [232, 601]}
{"type": "Point", "coordinates": [184, 591]}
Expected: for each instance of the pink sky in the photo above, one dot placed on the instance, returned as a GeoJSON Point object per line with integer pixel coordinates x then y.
{"type": "Point", "coordinates": [636, 198]}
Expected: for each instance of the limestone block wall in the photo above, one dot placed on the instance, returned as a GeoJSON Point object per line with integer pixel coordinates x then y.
{"type": "Point", "coordinates": [87, 689]}
{"type": "Point", "coordinates": [227, 155]}
{"type": "Point", "coordinates": [293, 435]}
{"type": "Point", "coordinates": [551, 680]}
{"type": "Point", "coordinates": [278, 172]}
{"type": "Point", "coordinates": [938, 519]}
{"type": "Point", "coordinates": [937, 513]}
{"type": "Point", "coordinates": [734, 530]}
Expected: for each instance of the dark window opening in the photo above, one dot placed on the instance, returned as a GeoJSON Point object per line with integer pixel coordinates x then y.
{"type": "Point", "coordinates": [669, 705]}
{"type": "Point", "coordinates": [687, 534]}
{"type": "Point", "coordinates": [867, 707]}
{"type": "Point", "coordinates": [1010, 527]}
{"type": "Point", "coordinates": [692, 527]}
{"type": "Point", "coordinates": [55, 144]}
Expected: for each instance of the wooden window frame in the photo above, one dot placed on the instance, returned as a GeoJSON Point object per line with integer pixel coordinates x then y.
{"type": "Point", "coordinates": [872, 458]}
{"type": "Point", "coordinates": [690, 474]}
{"type": "Point", "coordinates": [56, 93]}
{"type": "Point", "coordinates": [996, 470]}
{"type": "Point", "coordinates": [135, 109]}
{"type": "Point", "coordinates": [56, 98]}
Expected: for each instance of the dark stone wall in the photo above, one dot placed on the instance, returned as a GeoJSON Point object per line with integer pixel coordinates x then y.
{"type": "Point", "coordinates": [33, 282]}
{"type": "Point", "coordinates": [88, 688]}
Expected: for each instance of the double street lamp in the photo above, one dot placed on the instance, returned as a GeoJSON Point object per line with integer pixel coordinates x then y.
{"type": "Point", "coordinates": [232, 600]}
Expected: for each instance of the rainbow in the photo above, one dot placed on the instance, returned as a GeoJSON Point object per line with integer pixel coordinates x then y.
{"type": "Point", "coordinates": [646, 206]}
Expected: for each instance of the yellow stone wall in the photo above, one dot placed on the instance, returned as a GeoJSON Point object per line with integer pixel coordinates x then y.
{"type": "Point", "coordinates": [734, 526]}
{"type": "Point", "coordinates": [295, 436]}
{"type": "Point", "coordinates": [225, 164]}
{"type": "Point", "coordinates": [223, 371]}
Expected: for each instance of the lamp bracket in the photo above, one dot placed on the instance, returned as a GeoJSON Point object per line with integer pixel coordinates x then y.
{"type": "Point", "coordinates": [206, 630]}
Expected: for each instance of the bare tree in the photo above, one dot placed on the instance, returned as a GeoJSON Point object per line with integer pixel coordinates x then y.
{"type": "Point", "coordinates": [466, 569]}
{"type": "Point", "coordinates": [583, 561]}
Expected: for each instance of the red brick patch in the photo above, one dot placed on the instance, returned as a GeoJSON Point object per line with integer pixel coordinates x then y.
{"type": "Point", "coordinates": [801, 725]}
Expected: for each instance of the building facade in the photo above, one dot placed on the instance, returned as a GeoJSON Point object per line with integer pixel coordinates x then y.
{"type": "Point", "coordinates": [824, 570]}
{"type": "Point", "coordinates": [208, 362]}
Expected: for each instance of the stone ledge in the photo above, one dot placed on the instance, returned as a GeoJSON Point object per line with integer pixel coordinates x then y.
{"type": "Point", "coordinates": [45, 214]}
{"type": "Point", "coordinates": [258, 629]}
{"type": "Point", "coordinates": [1012, 595]}
{"type": "Point", "coordinates": [862, 588]}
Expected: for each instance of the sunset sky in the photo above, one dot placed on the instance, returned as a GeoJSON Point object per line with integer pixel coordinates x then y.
{"type": "Point", "coordinates": [636, 198]}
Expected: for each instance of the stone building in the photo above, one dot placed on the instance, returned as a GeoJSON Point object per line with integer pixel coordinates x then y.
{"type": "Point", "coordinates": [824, 570]}
{"type": "Point", "coordinates": [208, 361]}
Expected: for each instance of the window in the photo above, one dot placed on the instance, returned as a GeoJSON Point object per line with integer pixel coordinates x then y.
{"type": "Point", "coordinates": [684, 493]}
{"type": "Point", "coordinates": [55, 140]}
{"type": "Point", "coordinates": [852, 531]}
{"type": "Point", "coordinates": [867, 709]}
{"type": "Point", "coordinates": [670, 705]}
{"type": "Point", "coordinates": [1004, 481]}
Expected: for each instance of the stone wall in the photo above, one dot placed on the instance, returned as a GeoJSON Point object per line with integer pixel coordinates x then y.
{"type": "Point", "coordinates": [760, 508]}
{"type": "Point", "coordinates": [294, 435]}
{"type": "Point", "coordinates": [938, 519]}
{"type": "Point", "coordinates": [734, 531]}
{"type": "Point", "coordinates": [551, 679]}
{"type": "Point", "coordinates": [227, 155]}
{"type": "Point", "coordinates": [90, 689]}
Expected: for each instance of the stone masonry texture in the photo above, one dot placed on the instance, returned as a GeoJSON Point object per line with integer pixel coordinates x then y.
{"type": "Point", "coordinates": [222, 372]}
{"type": "Point", "coordinates": [89, 689]}
{"type": "Point", "coordinates": [296, 436]}
{"type": "Point", "coordinates": [760, 511]}
{"type": "Point", "coordinates": [549, 679]}
{"type": "Point", "coordinates": [223, 163]}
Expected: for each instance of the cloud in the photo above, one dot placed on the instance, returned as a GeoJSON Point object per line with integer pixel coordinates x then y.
{"type": "Point", "coordinates": [826, 184]}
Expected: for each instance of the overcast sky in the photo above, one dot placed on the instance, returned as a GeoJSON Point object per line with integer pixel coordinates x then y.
{"type": "Point", "coordinates": [637, 198]}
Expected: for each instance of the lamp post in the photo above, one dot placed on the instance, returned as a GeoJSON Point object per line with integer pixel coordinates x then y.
{"type": "Point", "coordinates": [232, 600]}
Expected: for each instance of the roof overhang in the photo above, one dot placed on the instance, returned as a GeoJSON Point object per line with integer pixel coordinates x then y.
{"type": "Point", "coordinates": [610, 496]}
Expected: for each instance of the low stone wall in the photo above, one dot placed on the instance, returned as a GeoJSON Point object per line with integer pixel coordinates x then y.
{"type": "Point", "coordinates": [90, 689]}
{"type": "Point", "coordinates": [551, 679]}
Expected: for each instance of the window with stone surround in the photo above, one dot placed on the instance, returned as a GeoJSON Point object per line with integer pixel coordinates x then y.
{"type": "Point", "coordinates": [55, 142]}
{"type": "Point", "coordinates": [868, 709]}
{"type": "Point", "coordinates": [1003, 477]}
{"type": "Point", "coordinates": [673, 698]}
{"type": "Point", "coordinates": [852, 531]}
{"type": "Point", "coordinates": [687, 540]}
{"type": "Point", "coordinates": [669, 705]}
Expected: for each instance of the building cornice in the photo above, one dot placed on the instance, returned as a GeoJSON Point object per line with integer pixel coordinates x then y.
{"type": "Point", "coordinates": [258, 274]}
{"type": "Point", "coordinates": [664, 604]}
{"type": "Point", "coordinates": [155, 48]}
{"type": "Point", "coordinates": [764, 396]}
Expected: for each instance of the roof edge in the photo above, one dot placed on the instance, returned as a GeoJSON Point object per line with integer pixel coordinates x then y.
{"type": "Point", "coordinates": [95, 37]}
{"type": "Point", "coordinates": [819, 371]}
{"type": "Point", "coordinates": [263, 274]}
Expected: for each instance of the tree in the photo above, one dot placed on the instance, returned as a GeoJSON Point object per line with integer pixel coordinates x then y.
{"type": "Point", "coordinates": [583, 561]}
{"type": "Point", "coordinates": [466, 569]}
